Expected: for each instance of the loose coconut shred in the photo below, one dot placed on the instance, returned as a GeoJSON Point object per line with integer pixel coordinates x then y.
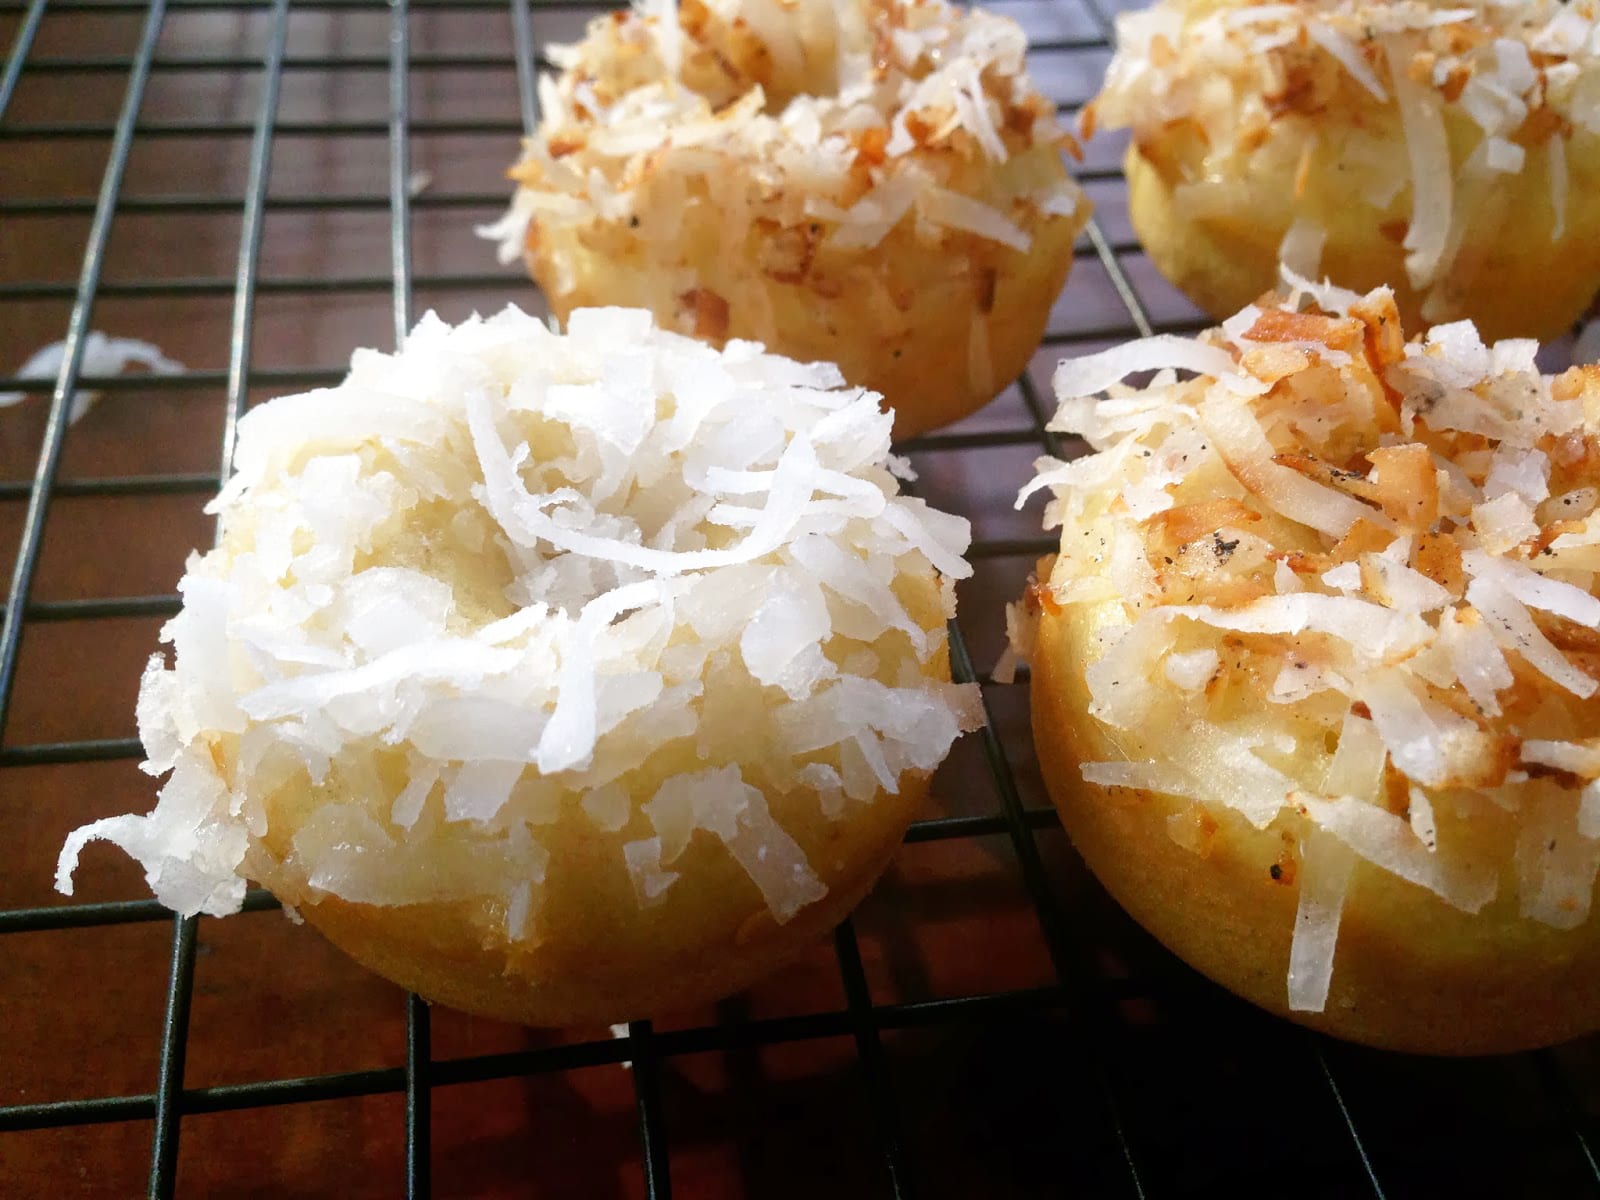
{"type": "Point", "coordinates": [507, 575]}
{"type": "Point", "coordinates": [1359, 583]}
{"type": "Point", "coordinates": [1480, 89]}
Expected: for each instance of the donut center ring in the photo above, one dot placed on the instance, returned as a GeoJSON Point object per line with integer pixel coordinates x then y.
{"type": "Point", "coordinates": [788, 50]}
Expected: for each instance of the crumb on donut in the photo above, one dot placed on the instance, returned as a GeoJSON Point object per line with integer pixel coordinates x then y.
{"type": "Point", "coordinates": [1390, 630]}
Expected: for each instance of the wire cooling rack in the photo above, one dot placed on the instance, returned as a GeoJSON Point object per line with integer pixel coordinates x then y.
{"type": "Point", "coordinates": [279, 182]}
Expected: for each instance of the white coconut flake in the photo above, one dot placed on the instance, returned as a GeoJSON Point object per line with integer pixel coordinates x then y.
{"type": "Point", "coordinates": [608, 806]}
{"type": "Point", "coordinates": [1192, 670]}
{"type": "Point", "coordinates": [782, 644]}
{"type": "Point", "coordinates": [1418, 733]}
{"type": "Point", "coordinates": [409, 803]}
{"type": "Point", "coordinates": [1501, 155]}
{"type": "Point", "coordinates": [1356, 768]}
{"type": "Point", "coordinates": [1582, 759]}
{"type": "Point", "coordinates": [1147, 776]}
{"type": "Point", "coordinates": [1388, 842]}
{"type": "Point", "coordinates": [1094, 373]}
{"type": "Point", "coordinates": [1349, 56]}
{"type": "Point", "coordinates": [650, 881]}
{"type": "Point", "coordinates": [1421, 818]}
{"type": "Point", "coordinates": [1300, 251]}
{"type": "Point", "coordinates": [1431, 187]}
{"type": "Point", "coordinates": [1326, 864]}
{"type": "Point", "coordinates": [1512, 626]}
{"type": "Point", "coordinates": [1535, 590]}
{"type": "Point", "coordinates": [1556, 864]}
{"type": "Point", "coordinates": [1589, 811]}
{"type": "Point", "coordinates": [952, 209]}
{"type": "Point", "coordinates": [1360, 623]}
{"type": "Point", "coordinates": [1556, 166]}
{"type": "Point", "coordinates": [1475, 658]}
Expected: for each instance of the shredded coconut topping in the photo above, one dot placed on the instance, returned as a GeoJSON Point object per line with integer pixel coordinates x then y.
{"type": "Point", "coordinates": [506, 578]}
{"type": "Point", "coordinates": [1394, 652]}
{"type": "Point", "coordinates": [802, 123]}
{"type": "Point", "coordinates": [1448, 97]}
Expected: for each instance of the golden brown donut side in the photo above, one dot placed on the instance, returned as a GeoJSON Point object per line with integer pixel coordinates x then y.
{"type": "Point", "coordinates": [939, 329]}
{"type": "Point", "coordinates": [600, 959]}
{"type": "Point", "coordinates": [594, 954]}
{"type": "Point", "coordinates": [1410, 973]}
{"type": "Point", "coordinates": [1515, 282]}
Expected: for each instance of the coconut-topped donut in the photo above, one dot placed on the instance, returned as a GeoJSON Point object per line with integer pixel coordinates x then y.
{"type": "Point", "coordinates": [1448, 150]}
{"type": "Point", "coordinates": [557, 677]}
{"type": "Point", "coordinates": [1314, 672]}
{"type": "Point", "coordinates": [869, 182]}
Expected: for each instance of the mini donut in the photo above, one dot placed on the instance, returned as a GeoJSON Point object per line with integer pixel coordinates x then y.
{"type": "Point", "coordinates": [1448, 151]}
{"type": "Point", "coordinates": [873, 183]}
{"type": "Point", "coordinates": [560, 678]}
{"type": "Point", "coordinates": [1314, 671]}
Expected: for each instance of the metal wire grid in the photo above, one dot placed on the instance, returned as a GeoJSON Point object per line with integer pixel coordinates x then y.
{"type": "Point", "coordinates": [1095, 1028]}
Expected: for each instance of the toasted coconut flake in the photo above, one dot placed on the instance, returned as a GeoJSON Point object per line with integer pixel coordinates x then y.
{"type": "Point", "coordinates": [1248, 454]}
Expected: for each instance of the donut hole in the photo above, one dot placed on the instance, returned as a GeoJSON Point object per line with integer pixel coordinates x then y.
{"type": "Point", "coordinates": [787, 49]}
{"type": "Point", "coordinates": [456, 545]}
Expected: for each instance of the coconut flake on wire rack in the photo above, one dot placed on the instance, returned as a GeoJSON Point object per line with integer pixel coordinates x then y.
{"type": "Point", "coordinates": [535, 574]}
{"type": "Point", "coordinates": [102, 355]}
